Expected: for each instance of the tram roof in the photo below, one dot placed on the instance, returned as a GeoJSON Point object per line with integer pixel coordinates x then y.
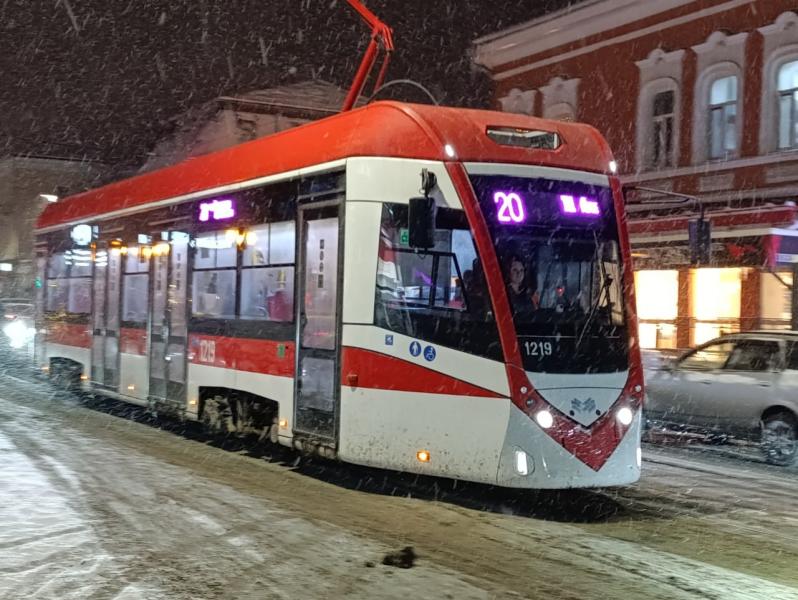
{"type": "Point", "coordinates": [388, 129]}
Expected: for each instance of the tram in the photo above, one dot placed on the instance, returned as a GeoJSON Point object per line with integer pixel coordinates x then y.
{"type": "Point", "coordinates": [427, 289]}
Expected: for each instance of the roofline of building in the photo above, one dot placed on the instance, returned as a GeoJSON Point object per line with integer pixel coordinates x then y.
{"type": "Point", "coordinates": [501, 51]}
{"type": "Point", "coordinates": [56, 157]}
{"type": "Point", "coordinates": [292, 108]}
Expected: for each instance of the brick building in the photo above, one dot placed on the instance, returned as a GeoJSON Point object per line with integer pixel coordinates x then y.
{"type": "Point", "coordinates": [698, 97]}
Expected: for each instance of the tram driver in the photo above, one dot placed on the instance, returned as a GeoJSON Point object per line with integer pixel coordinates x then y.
{"type": "Point", "coordinates": [524, 300]}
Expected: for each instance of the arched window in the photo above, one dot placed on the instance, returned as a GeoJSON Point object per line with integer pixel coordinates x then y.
{"type": "Point", "coordinates": [722, 117]}
{"type": "Point", "coordinates": [787, 82]}
{"type": "Point", "coordinates": [718, 112]}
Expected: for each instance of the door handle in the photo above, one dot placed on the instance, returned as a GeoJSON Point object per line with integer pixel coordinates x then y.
{"type": "Point", "coordinates": [763, 384]}
{"type": "Point", "coordinates": [706, 381]}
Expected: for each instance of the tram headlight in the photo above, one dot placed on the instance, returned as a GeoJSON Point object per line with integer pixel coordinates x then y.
{"type": "Point", "coordinates": [544, 418]}
{"type": "Point", "coordinates": [624, 415]}
{"type": "Point", "coordinates": [639, 457]}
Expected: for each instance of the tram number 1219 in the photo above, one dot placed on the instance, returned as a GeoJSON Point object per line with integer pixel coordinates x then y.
{"type": "Point", "coordinates": [538, 348]}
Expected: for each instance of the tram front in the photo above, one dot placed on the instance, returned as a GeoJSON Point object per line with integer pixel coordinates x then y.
{"type": "Point", "coordinates": [562, 291]}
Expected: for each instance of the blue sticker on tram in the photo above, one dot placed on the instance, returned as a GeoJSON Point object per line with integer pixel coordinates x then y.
{"type": "Point", "coordinates": [389, 340]}
{"type": "Point", "coordinates": [429, 353]}
{"type": "Point", "coordinates": [415, 348]}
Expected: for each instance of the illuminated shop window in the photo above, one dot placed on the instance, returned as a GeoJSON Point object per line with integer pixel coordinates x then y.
{"type": "Point", "coordinates": [775, 300]}
{"type": "Point", "coordinates": [715, 302]}
{"type": "Point", "coordinates": [657, 295]}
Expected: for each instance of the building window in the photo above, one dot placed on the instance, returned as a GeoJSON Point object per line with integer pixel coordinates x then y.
{"type": "Point", "coordinates": [779, 121]}
{"type": "Point", "coordinates": [788, 105]}
{"type": "Point", "coordinates": [662, 130]}
{"type": "Point", "coordinates": [658, 109]}
{"type": "Point", "coordinates": [718, 112]}
{"type": "Point", "coordinates": [715, 302]}
{"type": "Point", "coordinates": [722, 117]}
{"type": "Point", "coordinates": [657, 296]}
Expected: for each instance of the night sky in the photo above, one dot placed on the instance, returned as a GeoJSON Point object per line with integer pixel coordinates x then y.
{"type": "Point", "coordinates": [103, 78]}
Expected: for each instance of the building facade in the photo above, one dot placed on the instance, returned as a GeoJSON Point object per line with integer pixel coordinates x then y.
{"type": "Point", "coordinates": [229, 120]}
{"type": "Point", "coordinates": [26, 183]}
{"type": "Point", "coordinates": [696, 97]}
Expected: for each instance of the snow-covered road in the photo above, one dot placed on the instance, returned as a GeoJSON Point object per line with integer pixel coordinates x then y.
{"type": "Point", "coordinates": [96, 506]}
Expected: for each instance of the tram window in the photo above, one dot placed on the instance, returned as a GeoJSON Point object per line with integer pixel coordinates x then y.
{"type": "Point", "coordinates": [215, 250]}
{"type": "Point", "coordinates": [282, 243]}
{"type": "Point", "coordinates": [69, 282]}
{"type": "Point", "coordinates": [79, 297]}
{"type": "Point", "coordinates": [57, 294]}
{"type": "Point", "coordinates": [438, 295]}
{"type": "Point", "coordinates": [267, 293]}
{"type": "Point", "coordinates": [215, 294]}
{"type": "Point", "coordinates": [136, 261]}
{"type": "Point", "coordinates": [256, 253]}
{"type": "Point", "coordinates": [134, 297]}
{"type": "Point", "coordinates": [267, 275]}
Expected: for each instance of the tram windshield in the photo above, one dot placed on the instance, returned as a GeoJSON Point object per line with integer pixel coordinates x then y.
{"type": "Point", "coordinates": [558, 247]}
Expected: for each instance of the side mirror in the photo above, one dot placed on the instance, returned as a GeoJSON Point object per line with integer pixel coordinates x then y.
{"type": "Point", "coordinates": [421, 222]}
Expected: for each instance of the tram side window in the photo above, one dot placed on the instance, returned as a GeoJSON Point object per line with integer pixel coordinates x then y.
{"type": "Point", "coordinates": [439, 295]}
{"type": "Point", "coordinates": [69, 282]}
{"type": "Point", "coordinates": [214, 276]}
{"type": "Point", "coordinates": [267, 273]}
{"type": "Point", "coordinates": [135, 286]}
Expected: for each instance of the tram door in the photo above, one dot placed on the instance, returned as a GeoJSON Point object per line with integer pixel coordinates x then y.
{"type": "Point", "coordinates": [318, 322]}
{"type": "Point", "coordinates": [168, 328]}
{"type": "Point", "coordinates": [105, 324]}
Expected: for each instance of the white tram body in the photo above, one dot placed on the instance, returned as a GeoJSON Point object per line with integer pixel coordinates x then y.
{"type": "Point", "coordinates": [203, 289]}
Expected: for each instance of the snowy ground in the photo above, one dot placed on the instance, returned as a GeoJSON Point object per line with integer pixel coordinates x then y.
{"type": "Point", "coordinates": [96, 506]}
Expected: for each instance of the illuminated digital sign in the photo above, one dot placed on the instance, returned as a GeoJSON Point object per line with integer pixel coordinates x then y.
{"type": "Point", "coordinates": [511, 208]}
{"type": "Point", "coordinates": [216, 210]}
{"type": "Point", "coordinates": [579, 206]}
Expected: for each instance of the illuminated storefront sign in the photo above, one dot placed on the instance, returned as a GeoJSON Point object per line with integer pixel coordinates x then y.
{"type": "Point", "coordinates": [216, 210]}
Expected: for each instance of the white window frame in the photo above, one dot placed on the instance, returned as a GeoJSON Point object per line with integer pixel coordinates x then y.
{"type": "Point", "coordinates": [519, 101]}
{"type": "Point", "coordinates": [659, 72]}
{"type": "Point", "coordinates": [790, 93]}
{"type": "Point", "coordinates": [722, 108]}
{"type": "Point", "coordinates": [645, 124]}
{"type": "Point", "coordinates": [779, 48]}
{"type": "Point", "coordinates": [560, 99]}
{"type": "Point", "coordinates": [720, 56]}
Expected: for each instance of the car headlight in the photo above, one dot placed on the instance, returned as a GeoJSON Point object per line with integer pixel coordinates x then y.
{"type": "Point", "coordinates": [18, 333]}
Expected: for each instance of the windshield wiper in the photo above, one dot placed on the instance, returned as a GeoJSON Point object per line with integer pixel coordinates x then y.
{"type": "Point", "coordinates": [606, 281]}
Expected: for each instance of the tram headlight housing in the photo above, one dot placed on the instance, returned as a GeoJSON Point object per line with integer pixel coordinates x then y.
{"type": "Point", "coordinates": [624, 415]}
{"type": "Point", "coordinates": [544, 418]}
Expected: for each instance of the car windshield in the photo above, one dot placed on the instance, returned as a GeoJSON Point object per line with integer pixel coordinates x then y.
{"type": "Point", "coordinates": [557, 244]}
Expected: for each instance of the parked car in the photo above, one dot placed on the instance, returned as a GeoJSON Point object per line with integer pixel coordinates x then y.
{"type": "Point", "coordinates": [743, 385]}
{"type": "Point", "coordinates": [17, 323]}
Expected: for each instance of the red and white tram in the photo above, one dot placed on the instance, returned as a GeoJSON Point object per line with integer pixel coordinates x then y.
{"type": "Point", "coordinates": [299, 286]}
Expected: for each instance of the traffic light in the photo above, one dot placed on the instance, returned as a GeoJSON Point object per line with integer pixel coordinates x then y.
{"type": "Point", "coordinates": [699, 232]}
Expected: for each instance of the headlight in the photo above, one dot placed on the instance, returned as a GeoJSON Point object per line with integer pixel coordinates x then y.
{"type": "Point", "coordinates": [624, 415]}
{"type": "Point", "coordinates": [544, 419]}
{"type": "Point", "coordinates": [18, 333]}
